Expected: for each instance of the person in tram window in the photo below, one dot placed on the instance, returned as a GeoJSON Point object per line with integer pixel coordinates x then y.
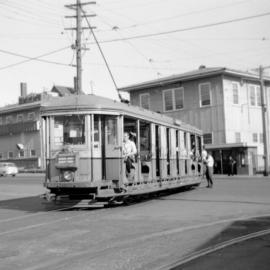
{"type": "Point", "coordinates": [209, 170]}
{"type": "Point", "coordinates": [232, 163]}
{"type": "Point", "coordinates": [129, 152]}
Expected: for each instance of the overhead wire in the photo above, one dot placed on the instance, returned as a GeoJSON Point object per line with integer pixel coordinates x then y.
{"type": "Point", "coordinates": [26, 15]}
{"type": "Point", "coordinates": [102, 54]}
{"type": "Point", "coordinates": [187, 28]}
{"type": "Point", "coordinates": [36, 58]}
{"type": "Point", "coordinates": [181, 15]}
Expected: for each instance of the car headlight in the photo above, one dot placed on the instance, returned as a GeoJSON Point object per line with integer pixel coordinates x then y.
{"type": "Point", "coordinates": [68, 176]}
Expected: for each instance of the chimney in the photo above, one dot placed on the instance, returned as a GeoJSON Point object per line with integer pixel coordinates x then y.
{"type": "Point", "coordinates": [23, 89]}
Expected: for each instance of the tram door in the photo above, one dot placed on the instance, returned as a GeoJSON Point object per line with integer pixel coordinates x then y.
{"type": "Point", "coordinates": [97, 166]}
{"type": "Point", "coordinates": [111, 150]}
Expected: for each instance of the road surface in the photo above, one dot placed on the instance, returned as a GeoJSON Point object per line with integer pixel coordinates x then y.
{"type": "Point", "coordinates": [154, 234]}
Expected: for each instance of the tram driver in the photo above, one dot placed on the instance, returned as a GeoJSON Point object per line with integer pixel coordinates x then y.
{"type": "Point", "coordinates": [129, 152]}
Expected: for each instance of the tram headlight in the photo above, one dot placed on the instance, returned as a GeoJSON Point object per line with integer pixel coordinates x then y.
{"type": "Point", "coordinates": [68, 176]}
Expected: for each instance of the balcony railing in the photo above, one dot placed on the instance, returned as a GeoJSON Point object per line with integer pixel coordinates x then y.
{"type": "Point", "coordinates": [9, 129]}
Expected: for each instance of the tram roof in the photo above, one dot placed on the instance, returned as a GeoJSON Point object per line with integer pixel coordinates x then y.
{"type": "Point", "coordinates": [88, 103]}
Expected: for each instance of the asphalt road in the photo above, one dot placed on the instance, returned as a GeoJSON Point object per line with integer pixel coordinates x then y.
{"type": "Point", "coordinates": [154, 234]}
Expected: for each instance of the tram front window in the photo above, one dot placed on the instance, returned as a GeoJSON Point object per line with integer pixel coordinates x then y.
{"type": "Point", "coordinates": [69, 129]}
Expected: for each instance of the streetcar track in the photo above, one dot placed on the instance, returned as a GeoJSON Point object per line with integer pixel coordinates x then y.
{"type": "Point", "coordinates": [198, 254]}
{"type": "Point", "coordinates": [130, 242]}
{"type": "Point", "coordinates": [213, 201]}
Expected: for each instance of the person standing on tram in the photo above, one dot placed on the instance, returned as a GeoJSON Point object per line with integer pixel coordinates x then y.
{"type": "Point", "coordinates": [129, 152]}
{"type": "Point", "coordinates": [204, 155]}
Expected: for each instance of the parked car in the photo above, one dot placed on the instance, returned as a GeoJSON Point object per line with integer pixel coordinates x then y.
{"type": "Point", "coordinates": [8, 168]}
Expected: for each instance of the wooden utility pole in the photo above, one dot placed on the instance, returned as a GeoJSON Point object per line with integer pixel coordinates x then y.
{"type": "Point", "coordinates": [78, 42]}
{"type": "Point", "coordinates": [264, 124]}
{"type": "Point", "coordinates": [78, 45]}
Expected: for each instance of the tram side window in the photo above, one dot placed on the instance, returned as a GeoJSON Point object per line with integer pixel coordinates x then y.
{"type": "Point", "coordinates": [69, 129]}
{"type": "Point", "coordinates": [96, 128]}
{"type": "Point", "coordinates": [192, 146]}
{"type": "Point", "coordinates": [145, 140]}
{"type": "Point", "coordinates": [111, 125]}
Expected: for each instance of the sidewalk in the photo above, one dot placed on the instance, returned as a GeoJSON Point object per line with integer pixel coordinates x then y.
{"type": "Point", "coordinates": [241, 176]}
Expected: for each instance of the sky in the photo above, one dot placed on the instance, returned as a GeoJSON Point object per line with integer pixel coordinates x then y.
{"type": "Point", "coordinates": [142, 40]}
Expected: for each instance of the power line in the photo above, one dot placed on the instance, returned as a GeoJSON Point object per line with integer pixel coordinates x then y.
{"type": "Point", "coordinates": [187, 28]}
{"type": "Point", "coordinates": [103, 56]}
{"type": "Point", "coordinates": [36, 58]}
{"type": "Point", "coordinates": [181, 15]}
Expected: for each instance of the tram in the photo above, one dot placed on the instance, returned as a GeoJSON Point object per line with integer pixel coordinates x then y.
{"type": "Point", "coordinates": [82, 139]}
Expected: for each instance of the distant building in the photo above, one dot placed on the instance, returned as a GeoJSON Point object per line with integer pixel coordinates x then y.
{"type": "Point", "coordinates": [224, 103]}
{"type": "Point", "coordinates": [20, 134]}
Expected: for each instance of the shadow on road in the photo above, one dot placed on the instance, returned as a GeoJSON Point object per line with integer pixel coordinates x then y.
{"type": "Point", "coordinates": [240, 255]}
{"type": "Point", "coordinates": [31, 204]}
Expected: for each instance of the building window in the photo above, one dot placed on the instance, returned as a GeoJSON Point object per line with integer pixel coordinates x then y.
{"type": "Point", "coordinates": [255, 137]}
{"type": "Point", "coordinates": [237, 137]}
{"type": "Point", "coordinates": [10, 154]}
{"type": "Point", "coordinates": [145, 101]}
{"type": "Point", "coordinates": [179, 98]}
{"type": "Point", "coordinates": [255, 95]}
{"type": "Point", "coordinates": [9, 119]}
{"type": "Point", "coordinates": [235, 93]}
{"type": "Point", "coordinates": [32, 153]}
{"type": "Point", "coordinates": [168, 100]}
{"type": "Point", "coordinates": [19, 118]}
{"type": "Point", "coordinates": [21, 153]}
{"type": "Point", "coordinates": [259, 101]}
{"type": "Point", "coordinates": [252, 95]}
{"type": "Point", "coordinates": [31, 116]}
{"type": "Point", "coordinates": [207, 138]}
{"type": "Point", "coordinates": [173, 99]}
{"type": "Point", "coordinates": [1, 155]}
{"type": "Point", "coordinates": [205, 94]}
{"type": "Point", "coordinates": [261, 138]}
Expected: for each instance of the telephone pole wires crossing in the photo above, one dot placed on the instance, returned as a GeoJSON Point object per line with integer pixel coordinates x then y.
{"type": "Point", "coordinates": [78, 43]}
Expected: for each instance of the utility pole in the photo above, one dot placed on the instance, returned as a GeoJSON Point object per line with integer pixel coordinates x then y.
{"type": "Point", "coordinates": [264, 123]}
{"type": "Point", "coordinates": [78, 42]}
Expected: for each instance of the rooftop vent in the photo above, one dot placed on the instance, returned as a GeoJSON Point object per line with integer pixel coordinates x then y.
{"type": "Point", "coordinates": [202, 66]}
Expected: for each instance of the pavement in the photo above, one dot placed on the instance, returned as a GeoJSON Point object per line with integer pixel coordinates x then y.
{"type": "Point", "coordinates": [150, 235]}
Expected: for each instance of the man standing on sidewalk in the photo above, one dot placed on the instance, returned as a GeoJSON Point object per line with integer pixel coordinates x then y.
{"type": "Point", "coordinates": [209, 170]}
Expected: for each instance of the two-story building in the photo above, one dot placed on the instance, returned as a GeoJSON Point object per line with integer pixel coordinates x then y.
{"type": "Point", "coordinates": [224, 103]}
{"type": "Point", "coordinates": [20, 131]}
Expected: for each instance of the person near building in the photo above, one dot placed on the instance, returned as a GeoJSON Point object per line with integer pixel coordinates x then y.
{"type": "Point", "coordinates": [232, 163]}
{"type": "Point", "coordinates": [209, 170]}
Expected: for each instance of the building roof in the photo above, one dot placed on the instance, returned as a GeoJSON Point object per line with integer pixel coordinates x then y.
{"type": "Point", "coordinates": [97, 104]}
{"type": "Point", "coordinates": [63, 90]}
{"type": "Point", "coordinates": [202, 72]}
{"type": "Point", "coordinates": [19, 107]}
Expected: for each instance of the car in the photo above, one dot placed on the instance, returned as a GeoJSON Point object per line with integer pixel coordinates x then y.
{"type": "Point", "coordinates": [8, 168]}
